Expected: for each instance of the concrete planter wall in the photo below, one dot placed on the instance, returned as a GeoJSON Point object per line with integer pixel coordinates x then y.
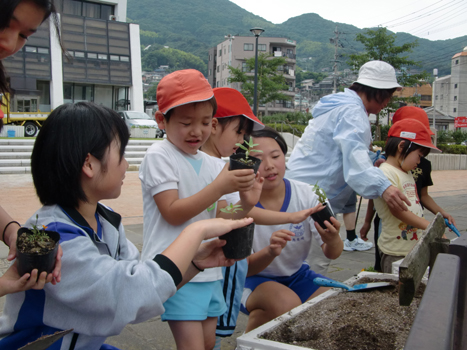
{"type": "Point", "coordinates": [143, 133]}
{"type": "Point", "coordinates": [448, 161]}
{"type": "Point", "coordinates": [18, 131]}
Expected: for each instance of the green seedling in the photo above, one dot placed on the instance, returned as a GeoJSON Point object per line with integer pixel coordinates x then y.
{"type": "Point", "coordinates": [231, 209]}
{"type": "Point", "coordinates": [250, 147]}
{"type": "Point", "coordinates": [320, 193]}
{"type": "Point", "coordinates": [38, 235]}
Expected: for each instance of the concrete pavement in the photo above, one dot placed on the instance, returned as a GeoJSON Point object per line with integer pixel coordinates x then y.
{"type": "Point", "coordinates": [18, 198]}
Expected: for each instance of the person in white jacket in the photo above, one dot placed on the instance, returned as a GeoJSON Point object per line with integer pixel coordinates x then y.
{"type": "Point", "coordinates": [333, 150]}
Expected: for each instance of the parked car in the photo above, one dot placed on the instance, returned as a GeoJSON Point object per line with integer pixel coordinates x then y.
{"type": "Point", "coordinates": [135, 119]}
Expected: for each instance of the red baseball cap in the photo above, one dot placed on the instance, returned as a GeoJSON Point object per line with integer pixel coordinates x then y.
{"type": "Point", "coordinates": [231, 103]}
{"type": "Point", "coordinates": [414, 131]}
{"type": "Point", "coordinates": [182, 87]}
{"type": "Point", "coordinates": [410, 112]}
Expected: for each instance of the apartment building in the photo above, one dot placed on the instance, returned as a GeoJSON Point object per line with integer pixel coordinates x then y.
{"type": "Point", "coordinates": [423, 91]}
{"type": "Point", "coordinates": [451, 91]}
{"type": "Point", "coordinates": [234, 51]}
{"type": "Point", "coordinates": [102, 63]}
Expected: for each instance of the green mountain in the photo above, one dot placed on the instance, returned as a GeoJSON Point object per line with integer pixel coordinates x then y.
{"type": "Point", "coordinates": [194, 26]}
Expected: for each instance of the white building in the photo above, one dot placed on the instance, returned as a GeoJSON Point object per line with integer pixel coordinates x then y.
{"type": "Point", "coordinates": [104, 64]}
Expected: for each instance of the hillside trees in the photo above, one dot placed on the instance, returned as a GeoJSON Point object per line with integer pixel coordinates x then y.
{"type": "Point", "coordinates": [175, 59]}
{"type": "Point", "coordinates": [270, 79]}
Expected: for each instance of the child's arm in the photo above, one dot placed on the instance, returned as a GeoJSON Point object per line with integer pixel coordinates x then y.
{"type": "Point", "coordinates": [177, 210]}
{"type": "Point", "coordinates": [370, 213]}
{"type": "Point", "coordinates": [410, 218]}
{"type": "Point", "coordinates": [248, 199]}
{"type": "Point", "coordinates": [257, 262]}
{"type": "Point", "coordinates": [429, 203]}
{"type": "Point", "coordinates": [186, 246]}
{"type": "Point", "coordinates": [270, 217]}
{"type": "Point", "coordinates": [332, 243]}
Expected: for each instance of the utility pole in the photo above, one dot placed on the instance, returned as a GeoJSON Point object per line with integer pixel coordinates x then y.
{"type": "Point", "coordinates": [336, 43]}
{"type": "Point", "coordinates": [435, 74]}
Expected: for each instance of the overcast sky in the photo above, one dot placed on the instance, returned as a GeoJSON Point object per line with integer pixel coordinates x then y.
{"type": "Point", "coordinates": [429, 19]}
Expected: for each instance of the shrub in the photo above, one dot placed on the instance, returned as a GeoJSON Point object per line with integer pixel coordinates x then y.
{"type": "Point", "coordinates": [294, 129]}
{"type": "Point", "coordinates": [452, 149]}
{"type": "Point", "coordinates": [300, 118]}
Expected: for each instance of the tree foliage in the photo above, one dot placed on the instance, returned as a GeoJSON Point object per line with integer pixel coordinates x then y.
{"type": "Point", "coordinates": [157, 55]}
{"type": "Point", "coordinates": [151, 93]}
{"type": "Point", "coordinates": [270, 79]}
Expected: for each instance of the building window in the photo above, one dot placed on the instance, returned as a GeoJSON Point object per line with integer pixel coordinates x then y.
{"type": "Point", "coordinates": [220, 52]}
{"type": "Point", "coordinates": [210, 72]}
{"type": "Point", "coordinates": [455, 110]}
{"type": "Point", "coordinates": [261, 47]}
{"type": "Point", "coordinates": [217, 84]}
{"type": "Point", "coordinates": [225, 50]}
{"type": "Point", "coordinates": [455, 86]}
{"type": "Point", "coordinates": [442, 85]}
{"type": "Point", "coordinates": [247, 47]}
{"type": "Point", "coordinates": [436, 98]}
{"type": "Point", "coordinates": [425, 98]}
{"type": "Point", "coordinates": [442, 97]}
{"type": "Point", "coordinates": [455, 98]}
{"type": "Point", "coordinates": [457, 61]}
{"type": "Point", "coordinates": [218, 69]}
{"type": "Point", "coordinates": [244, 67]}
{"type": "Point", "coordinates": [87, 9]}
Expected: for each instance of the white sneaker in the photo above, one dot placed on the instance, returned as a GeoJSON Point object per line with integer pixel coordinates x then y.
{"type": "Point", "coordinates": [357, 244]}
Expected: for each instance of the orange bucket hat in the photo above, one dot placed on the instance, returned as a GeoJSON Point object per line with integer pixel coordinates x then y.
{"type": "Point", "coordinates": [414, 131]}
{"type": "Point", "coordinates": [182, 87]}
{"type": "Point", "coordinates": [410, 112]}
{"type": "Point", "coordinates": [231, 103]}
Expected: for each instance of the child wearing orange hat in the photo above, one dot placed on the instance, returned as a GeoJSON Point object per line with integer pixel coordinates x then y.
{"type": "Point", "coordinates": [422, 177]}
{"type": "Point", "coordinates": [408, 142]}
{"type": "Point", "coordinates": [233, 120]}
{"type": "Point", "coordinates": [182, 185]}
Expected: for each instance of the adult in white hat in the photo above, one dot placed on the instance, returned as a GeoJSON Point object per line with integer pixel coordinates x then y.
{"type": "Point", "coordinates": [334, 149]}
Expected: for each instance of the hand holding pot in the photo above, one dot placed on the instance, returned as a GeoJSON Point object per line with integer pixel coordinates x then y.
{"type": "Point", "coordinates": [216, 227]}
{"type": "Point", "coordinates": [251, 197]}
{"type": "Point", "coordinates": [333, 244]}
{"type": "Point", "coordinates": [210, 254]}
{"type": "Point", "coordinates": [229, 181]}
{"type": "Point", "coordinates": [12, 282]}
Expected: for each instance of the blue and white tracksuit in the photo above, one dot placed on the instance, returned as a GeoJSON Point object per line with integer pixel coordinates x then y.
{"type": "Point", "coordinates": [104, 286]}
{"type": "Point", "coordinates": [333, 151]}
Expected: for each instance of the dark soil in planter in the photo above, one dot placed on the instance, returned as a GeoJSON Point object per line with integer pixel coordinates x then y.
{"type": "Point", "coordinates": [36, 254]}
{"type": "Point", "coordinates": [352, 321]}
{"type": "Point", "coordinates": [239, 242]}
{"type": "Point", "coordinates": [237, 161]}
{"type": "Point", "coordinates": [322, 215]}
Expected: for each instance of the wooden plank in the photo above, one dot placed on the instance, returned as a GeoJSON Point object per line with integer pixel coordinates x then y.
{"type": "Point", "coordinates": [414, 265]}
{"type": "Point", "coordinates": [459, 247]}
{"type": "Point", "coordinates": [440, 245]}
{"type": "Point", "coordinates": [45, 341]}
{"type": "Point", "coordinates": [433, 327]}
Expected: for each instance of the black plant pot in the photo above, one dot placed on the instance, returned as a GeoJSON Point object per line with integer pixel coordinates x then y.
{"type": "Point", "coordinates": [239, 242]}
{"type": "Point", "coordinates": [236, 163]}
{"type": "Point", "coordinates": [30, 261]}
{"type": "Point", "coordinates": [322, 215]}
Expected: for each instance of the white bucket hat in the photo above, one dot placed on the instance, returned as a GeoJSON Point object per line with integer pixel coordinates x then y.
{"type": "Point", "coordinates": [378, 75]}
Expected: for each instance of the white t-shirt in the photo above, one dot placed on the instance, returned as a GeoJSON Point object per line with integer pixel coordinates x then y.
{"type": "Point", "coordinates": [298, 196]}
{"type": "Point", "coordinates": [397, 238]}
{"type": "Point", "coordinates": [165, 167]}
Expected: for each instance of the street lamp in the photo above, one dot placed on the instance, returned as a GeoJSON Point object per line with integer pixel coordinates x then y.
{"type": "Point", "coordinates": [257, 32]}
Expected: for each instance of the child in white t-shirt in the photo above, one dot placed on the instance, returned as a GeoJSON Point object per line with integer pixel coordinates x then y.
{"type": "Point", "coordinates": [182, 185]}
{"type": "Point", "coordinates": [233, 120]}
{"type": "Point", "coordinates": [408, 142]}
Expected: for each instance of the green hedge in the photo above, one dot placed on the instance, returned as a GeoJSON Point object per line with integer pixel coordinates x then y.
{"type": "Point", "coordinates": [295, 129]}
{"type": "Point", "coordinates": [452, 149]}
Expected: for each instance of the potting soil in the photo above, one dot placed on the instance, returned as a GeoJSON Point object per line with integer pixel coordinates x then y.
{"type": "Point", "coordinates": [352, 321]}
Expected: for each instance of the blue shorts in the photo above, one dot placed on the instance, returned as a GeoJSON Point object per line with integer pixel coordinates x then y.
{"type": "Point", "coordinates": [301, 282]}
{"type": "Point", "coordinates": [195, 301]}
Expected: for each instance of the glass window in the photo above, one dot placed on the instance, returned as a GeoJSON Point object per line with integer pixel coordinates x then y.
{"type": "Point", "coordinates": [455, 98]}
{"type": "Point", "coordinates": [92, 55]}
{"type": "Point", "coordinates": [244, 67]}
{"type": "Point", "coordinates": [261, 47]}
{"type": "Point", "coordinates": [455, 86]}
{"type": "Point", "coordinates": [124, 58]}
{"type": "Point", "coordinates": [43, 50]}
{"type": "Point", "coordinates": [79, 54]}
{"type": "Point", "coordinates": [44, 98]}
{"type": "Point", "coordinates": [72, 7]}
{"type": "Point", "coordinates": [102, 56]}
{"type": "Point", "coordinates": [114, 58]}
{"type": "Point", "coordinates": [457, 61]}
{"type": "Point", "coordinates": [220, 52]}
{"type": "Point", "coordinates": [91, 10]}
{"type": "Point", "coordinates": [247, 47]}
{"type": "Point", "coordinates": [455, 110]}
{"type": "Point", "coordinates": [30, 49]}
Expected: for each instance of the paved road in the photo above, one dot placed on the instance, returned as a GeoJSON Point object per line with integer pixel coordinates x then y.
{"type": "Point", "coordinates": [449, 191]}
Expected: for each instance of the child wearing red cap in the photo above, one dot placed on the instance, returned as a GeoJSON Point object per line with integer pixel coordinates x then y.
{"type": "Point", "coordinates": [233, 120]}
{"type": "Point", "coordinates": [422, 177]}
{"type": "Point", "coordinates": [182, 185]}
{"type": "Point", "coordinates": [408, 142]}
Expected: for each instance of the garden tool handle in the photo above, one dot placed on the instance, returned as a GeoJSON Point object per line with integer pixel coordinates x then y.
{"type": "Point", "coordinates": [324, 282]}
{"type": "Point", "coordinates": [452, 227]}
